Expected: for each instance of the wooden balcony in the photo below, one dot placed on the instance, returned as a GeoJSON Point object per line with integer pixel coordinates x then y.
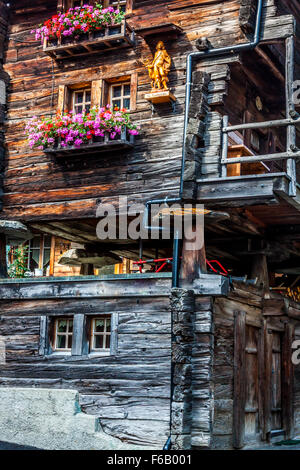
{"type": "Point", "coordinates": [95, 42]}
{"type": "Point", "coordinates": [97, 145]}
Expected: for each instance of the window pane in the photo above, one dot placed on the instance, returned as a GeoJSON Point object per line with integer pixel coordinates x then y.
{"type": "Point", "coordinates": [35, 242]}
{"type": "Point", "coordinates": [107, 342]}
{"type": "Point", "coordinates": [88, 96]}
{"type": "Point", "coordinates": [70, 326]}
{"type": "Point", "coordinates": [79, 97]}
{"type": "Point", "coordinates": [99, 325]}
{"type": "Point", "coordinates": [62, 326]}
{"type": "Point", "coordinates": [98, 342]}
{"type": "Point", "coordinates": [46, 257]}
{"type": "Point", "coordinates": [61, 342]}
{"type": "Point", "coordinates": [116, 104]}
{"type": "Point", "coordinates": [117, 91]}
{"type": "Point", "coordinates": [70, 338]}
{"type": "Point", "coordinates": [78, 109]}
{"type": "Point", "coordinates": [127, 89]}
{"type": "Point", "coordinates": [87, 108]}
{"type": "Point", "coordinates": [108, 324]}
{"type": "Point", "coordinates": [127, 103]}
{"type": "Point", "coordinates": [47, 242]}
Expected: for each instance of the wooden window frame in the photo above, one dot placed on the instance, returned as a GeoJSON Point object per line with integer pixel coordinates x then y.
{"type": "Point", "coordinates": [105, 334]}
{"type": "Point", "coordinates": [100, 91]}
{"type": "Point", "coordinates": [63, 5]}
{"type": "Point", "coordinates": [107, 83]}
{"type": "Point", "coordinates": [128, 3]}
{"type": "Point", "coordinates": [65, 94]}
{"type": "Point", "coordinates": [84, 101]}
{"type": "Point", "coordinates": [122, 97]}
{"type": "Point", "coordinates": [81, 338]}
{"type": "Point", "coordinates": [41, 249]}
{"type": "Point", "coordinates": [67, 334]}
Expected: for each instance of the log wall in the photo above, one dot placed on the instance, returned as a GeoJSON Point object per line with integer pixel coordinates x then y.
{"type": "Point", "coordinates": [128, 391]}
{"type": "Point", "coordinates": [38, 186]}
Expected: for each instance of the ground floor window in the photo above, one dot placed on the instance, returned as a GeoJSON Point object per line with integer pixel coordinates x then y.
{"type": "Point", "coordinates": [100, 334]}
{"type": "Point", "coordinates": [63, 334]}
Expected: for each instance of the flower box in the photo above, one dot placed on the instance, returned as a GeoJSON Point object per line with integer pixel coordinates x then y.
{"type": "Point", "coordinates": [108, 38]}
{"type": "Point", "coordinates": [101, 129]}
{"type": "Point", "coordinates": [96, 145]}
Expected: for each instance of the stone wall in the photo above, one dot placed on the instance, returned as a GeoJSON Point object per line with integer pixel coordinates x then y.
{"type": "Point", "coordinates": [51, 419]}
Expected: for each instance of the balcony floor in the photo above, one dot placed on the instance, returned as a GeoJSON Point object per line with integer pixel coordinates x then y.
{"type": "Point", "coordinates": [266, 196]}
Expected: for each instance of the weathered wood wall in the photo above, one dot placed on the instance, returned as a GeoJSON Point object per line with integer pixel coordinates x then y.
{"type": "Point", "coordinates": [130, 391]}
{"type": "Point", "coordinates": [37, 186]}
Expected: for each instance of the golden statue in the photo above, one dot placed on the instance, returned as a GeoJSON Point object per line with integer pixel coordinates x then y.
{"type": "Point", "coordinates": [159, 68]}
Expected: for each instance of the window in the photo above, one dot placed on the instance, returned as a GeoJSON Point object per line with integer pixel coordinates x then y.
{"type": "Point", "coordinates": [120, 95]}
{"type": "Point", "coordinates": [82, 100]}
{"type": "Point", "coordinates": [63, 334]}
{"type": "Point", "coordinates": [100, 334]}
{"type": "Point", "coordinates": [39, 253]}
{"type": "Point", "coordinates": [121, 4]}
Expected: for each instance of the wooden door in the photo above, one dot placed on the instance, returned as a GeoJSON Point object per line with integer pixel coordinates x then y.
{"type": "Point", "coordinates": [252, 383]}
{"type": "Point", "coordinates": [276, 382]}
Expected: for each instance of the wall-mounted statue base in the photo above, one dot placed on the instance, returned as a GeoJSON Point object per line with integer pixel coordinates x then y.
{"type": "Point", "coordinates": [157, 97]}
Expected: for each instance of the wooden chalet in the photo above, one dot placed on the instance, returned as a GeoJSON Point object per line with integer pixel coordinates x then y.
{"type": "Point", "coordinates": [197, 349]}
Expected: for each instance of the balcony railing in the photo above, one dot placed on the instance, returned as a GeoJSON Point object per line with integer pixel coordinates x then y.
{"type": "Point", "coordinates": [290, 155]}
{"type": "Point", "coordinates": [291, 123]}
{"type": "Point", "coordinates": [111, 37]}
{"type": "Point", "coordinates": [96, 145]}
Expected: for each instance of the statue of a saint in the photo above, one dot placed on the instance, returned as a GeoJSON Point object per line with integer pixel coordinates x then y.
{"type": "Point", "coordinates": [159, 68]}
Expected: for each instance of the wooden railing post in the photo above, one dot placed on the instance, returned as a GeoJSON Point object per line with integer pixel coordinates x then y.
{"type": "Point", "coordinates": [224, 156]}
{"type": "Point", "coordinates": [290, 108]}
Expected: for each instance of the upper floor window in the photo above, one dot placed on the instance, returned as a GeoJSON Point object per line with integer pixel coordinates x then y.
{"type": "Point", "coordinates": [123, 5]}
{"type": "Point", "coordinates": [120, 4]}
{"type": "Point", "coordinates": [100, 334]}
{"type": "Point", "coordinates": [63, 334]}
{"type": "Point", "coordinates": [120, 95]}
{"type": "Point", "coordinates": [81, 100]}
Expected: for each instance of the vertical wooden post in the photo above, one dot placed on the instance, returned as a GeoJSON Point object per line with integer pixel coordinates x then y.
{"type": "Point", "coordinates": [193, 261]}
{"type": "Point", "coordinates": [3, 263]}
{"type": "Point", "coordinates": [260, 271]}
{"type": "Point", "coordinates": [133, 90]}
{"type": "Point", "coordinates": [78, 334]}
{"type": "Point", "coordinates": [290, 108]}
{"type": "Point", "coordinates": [52, 256]}
{"type": "Point", "coordinates": [41, 255]}
{"type": "Point", "coordinates": [239, 394]}
{"type": "Point", "coordinates": [287, 382]}
{"type": "Point", "coordinates": [225, 122]}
